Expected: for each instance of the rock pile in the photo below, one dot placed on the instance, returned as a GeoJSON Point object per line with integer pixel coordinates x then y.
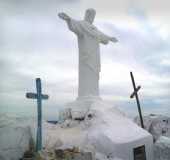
{"type": "Point", "coordinates": [64, 154]}
{"type": "Point", "coordinates": [159, 127]}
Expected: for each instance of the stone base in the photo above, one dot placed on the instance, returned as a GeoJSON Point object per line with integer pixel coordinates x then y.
{"type": "Point", "coordinates": [89, 98]}
{"type": "Point", "coordinates": [101, 128]}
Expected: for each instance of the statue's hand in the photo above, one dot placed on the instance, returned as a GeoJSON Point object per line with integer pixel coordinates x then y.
{"type": "Point", "coordinates": [64, 16]}
{"type": "Point", "coordinates": [113, 39]}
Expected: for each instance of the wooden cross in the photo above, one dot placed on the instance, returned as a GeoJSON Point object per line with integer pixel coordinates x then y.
{"type": "Point", "coordinates": [135, 94]}
{"type": "Point", "coordinates": [39, 96]}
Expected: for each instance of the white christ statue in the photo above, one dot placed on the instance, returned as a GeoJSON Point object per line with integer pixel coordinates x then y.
{"type": "Point", "coordinates": [89, 38]}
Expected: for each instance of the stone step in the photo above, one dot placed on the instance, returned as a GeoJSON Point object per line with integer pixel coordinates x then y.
{"type": "Point", "coordinates": [28, 159]}
{"type": "Point", "coordinates": [28, 155]}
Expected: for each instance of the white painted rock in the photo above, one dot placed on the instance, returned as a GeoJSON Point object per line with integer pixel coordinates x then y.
{"type": "Point", "coordinates": [15, 134]}
{"type": "Point", "coordinates": [14, 141]}
{"type": "Point", "coordinates": [107, 131]}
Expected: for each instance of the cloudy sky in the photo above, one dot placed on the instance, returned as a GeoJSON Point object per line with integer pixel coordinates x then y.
{"type": "Point", "coordinates": [34, 42]}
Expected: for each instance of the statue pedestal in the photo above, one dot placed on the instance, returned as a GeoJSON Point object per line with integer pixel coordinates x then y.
{"type": "Point", "coordinates": [81, 106]}
{"type": "Point", "coordinates": [88, 98]}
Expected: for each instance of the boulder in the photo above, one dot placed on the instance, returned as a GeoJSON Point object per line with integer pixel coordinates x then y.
{"type": "Point", "coordinates": [157, 125]}
{"type": "Point", "coordinates": [162, 148]}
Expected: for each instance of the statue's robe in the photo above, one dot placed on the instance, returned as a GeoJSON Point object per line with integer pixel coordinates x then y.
{"type": "Point", "coordinates": [89, 39]}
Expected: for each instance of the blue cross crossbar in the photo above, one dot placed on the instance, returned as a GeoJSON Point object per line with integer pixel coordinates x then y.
{"type": "Point", "coordinates": [34, 96]}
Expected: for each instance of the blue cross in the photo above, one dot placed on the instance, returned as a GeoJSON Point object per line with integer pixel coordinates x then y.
{"type": "Point", "coordinates": [39, 96]}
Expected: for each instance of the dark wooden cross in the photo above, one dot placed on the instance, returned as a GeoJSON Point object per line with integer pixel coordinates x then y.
{"type": "Point", "coordinates": [135, 94]}
{"type": "Point", "coordinates": [39, 96]}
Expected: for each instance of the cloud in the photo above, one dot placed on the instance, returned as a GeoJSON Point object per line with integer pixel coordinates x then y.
{"type": "Point", "coordinates": [146, 50]}
{"type": "Point", "coordinates": [36, 43]}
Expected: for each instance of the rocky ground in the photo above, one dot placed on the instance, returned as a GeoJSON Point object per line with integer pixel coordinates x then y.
{"type": "Point", "coordinates": [19, 136]}
{"type": "Point", "coordinates": [159, 127]}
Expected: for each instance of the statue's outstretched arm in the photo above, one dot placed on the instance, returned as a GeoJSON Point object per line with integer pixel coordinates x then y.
{"type": "Point", "coordinates": [64, 16]}
{"type": "Point", "coordinates": [72, 24]}
{"type": "Point", "coordinates": [105, 38]}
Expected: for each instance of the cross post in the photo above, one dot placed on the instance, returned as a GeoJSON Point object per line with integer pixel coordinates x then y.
{"type": "Point", "coordinates": [39, 96]}
{"type": "Point", "coordinates": [135, 94]}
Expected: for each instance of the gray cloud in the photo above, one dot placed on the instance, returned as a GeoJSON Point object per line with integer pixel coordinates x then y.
{"type": "Point", "coordinates": [34, 43]}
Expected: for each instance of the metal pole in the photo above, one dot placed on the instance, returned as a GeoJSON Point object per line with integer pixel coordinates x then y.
{"type": "Point", "coordinates": [137, 99]}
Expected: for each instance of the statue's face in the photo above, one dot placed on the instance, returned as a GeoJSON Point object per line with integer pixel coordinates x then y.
{"type": "Point", "coordinates": [90, 15]}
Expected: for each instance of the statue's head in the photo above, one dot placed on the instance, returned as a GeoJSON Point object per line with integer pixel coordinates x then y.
{"type": "Point", "coordinates": [90, 15]}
